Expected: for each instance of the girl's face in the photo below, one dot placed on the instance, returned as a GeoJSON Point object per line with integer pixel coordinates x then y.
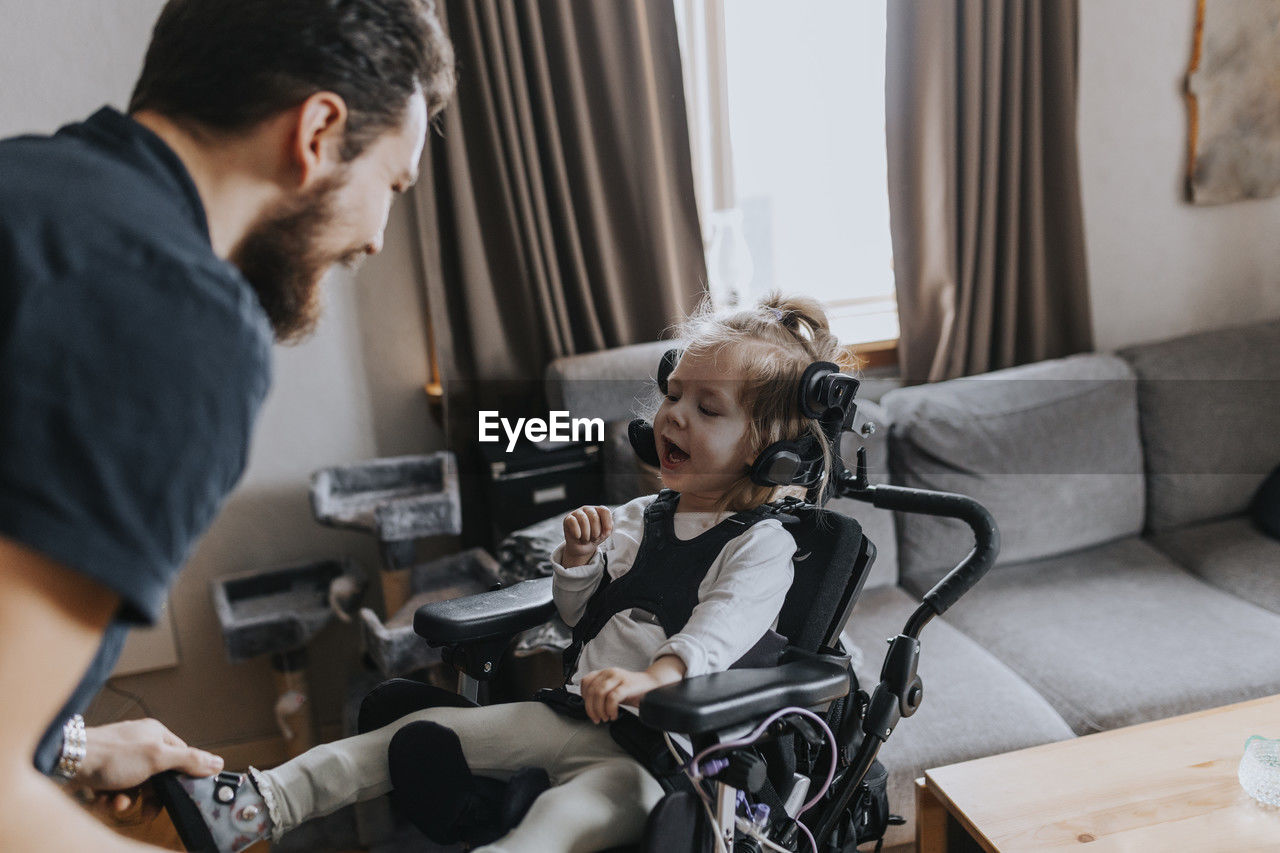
{"type": "Point", "coordinates": [701, 432]}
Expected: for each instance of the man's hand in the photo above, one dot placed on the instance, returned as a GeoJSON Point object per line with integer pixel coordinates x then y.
{"type": "Point", "coordinates": [604, 690]}
{"type": "Point", "coordinates": [124, 755]}
{"type": "Point", "coordinates": [584, 529]}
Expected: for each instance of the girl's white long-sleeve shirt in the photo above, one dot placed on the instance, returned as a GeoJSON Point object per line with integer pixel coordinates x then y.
{"type": "Point", "coordinates": [738, 600]}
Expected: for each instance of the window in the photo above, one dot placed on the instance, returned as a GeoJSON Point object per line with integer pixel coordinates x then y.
{"type": "Point", "coordinates": [787, 123]}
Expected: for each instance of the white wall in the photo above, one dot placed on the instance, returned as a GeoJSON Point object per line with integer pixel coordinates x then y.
{"type": "Point", "coordinates": [1158, 266]}
{"type": "Point", "coordinates": [352, 392]}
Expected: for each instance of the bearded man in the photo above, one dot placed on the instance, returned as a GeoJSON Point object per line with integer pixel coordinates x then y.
{"type": "Point", "coordinates": [147, 260]}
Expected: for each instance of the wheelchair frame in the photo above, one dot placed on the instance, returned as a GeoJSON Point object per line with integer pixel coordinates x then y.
{"type": "Point", "coordinates": [712, 709]}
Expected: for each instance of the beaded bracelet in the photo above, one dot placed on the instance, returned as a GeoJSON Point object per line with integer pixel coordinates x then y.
{"type": "Point", "coordinates": [73, 748]}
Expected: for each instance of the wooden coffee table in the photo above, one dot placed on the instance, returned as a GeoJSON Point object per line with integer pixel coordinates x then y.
{"type": "Point", "coordinates": [1168, 785]}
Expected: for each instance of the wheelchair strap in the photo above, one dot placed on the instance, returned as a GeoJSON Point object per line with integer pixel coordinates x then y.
{"type": "Point", "coordinates": [665, 577]}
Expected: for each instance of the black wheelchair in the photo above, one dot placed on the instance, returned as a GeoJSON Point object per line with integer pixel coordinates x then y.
{"type": "Point", "coordinates": [783, 758]}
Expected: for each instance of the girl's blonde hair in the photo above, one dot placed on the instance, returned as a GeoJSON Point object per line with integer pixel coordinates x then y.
{"type": "Point", "coordinates": [771, 344]}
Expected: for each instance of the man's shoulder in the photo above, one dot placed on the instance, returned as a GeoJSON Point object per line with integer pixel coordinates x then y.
{"type": "Point", "coordinates": [63, 171]}
{"type": "Point", "coordinates": [81, 231]}
{"type": "Point", "coordinates": [162, 305]}
{"type": "Point", "coordinates": [70, 207]}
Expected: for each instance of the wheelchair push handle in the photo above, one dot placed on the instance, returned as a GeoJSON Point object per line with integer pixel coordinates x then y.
{"type": "Point", "coordinates": [986, 536]}
{"type": "Point", "coordinates": [969, 571]}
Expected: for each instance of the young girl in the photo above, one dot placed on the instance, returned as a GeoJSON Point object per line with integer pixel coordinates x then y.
{"type": "Point", "coordinates": [667, 587]}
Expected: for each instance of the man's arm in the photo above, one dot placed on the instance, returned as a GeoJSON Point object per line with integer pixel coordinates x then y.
{"type": "Point", "coordinates": [51, 621]}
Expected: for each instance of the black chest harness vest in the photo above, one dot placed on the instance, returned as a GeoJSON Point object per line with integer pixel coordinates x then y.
{"type": "Point", "coordinates": [663, 582]}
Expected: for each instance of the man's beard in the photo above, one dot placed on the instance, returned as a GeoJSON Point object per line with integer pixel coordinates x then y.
{"type": "Point", "coordinates": [281, 258]}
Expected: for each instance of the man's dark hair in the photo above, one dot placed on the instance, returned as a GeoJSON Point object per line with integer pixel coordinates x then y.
{"type": "Point", "coordinates": [229, 64]}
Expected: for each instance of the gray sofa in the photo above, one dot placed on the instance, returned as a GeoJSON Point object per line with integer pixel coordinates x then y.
{"type": "Point", "coordinates": [1131, 584]}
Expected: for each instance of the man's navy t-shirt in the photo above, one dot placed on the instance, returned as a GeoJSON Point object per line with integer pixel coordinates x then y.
{"type": "Point", "coordinates": [132, 364]}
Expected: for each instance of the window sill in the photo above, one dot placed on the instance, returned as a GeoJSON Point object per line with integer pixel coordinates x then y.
{"type": "Point", "coordinates": [875, 354]}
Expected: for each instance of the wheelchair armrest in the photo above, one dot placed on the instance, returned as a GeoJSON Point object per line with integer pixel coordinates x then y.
{"type": "Point", "coordinates": [721, 700]}
{"type": "Point", "coordinates": [487, 615]}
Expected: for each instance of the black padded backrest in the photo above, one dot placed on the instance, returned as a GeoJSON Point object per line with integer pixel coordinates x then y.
{"type": "Point", "coordinates": [832, 562]}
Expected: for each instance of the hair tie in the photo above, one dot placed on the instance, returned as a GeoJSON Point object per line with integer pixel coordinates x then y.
{"type": "Point", "coordinates": [777, 314]}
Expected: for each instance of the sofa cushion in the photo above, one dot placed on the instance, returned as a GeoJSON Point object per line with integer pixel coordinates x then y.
{"type": "Point", "coordinates": [1210, 416]}
{"type": "Point", "coordinates": [1231, 555]}
{"type": "Point", "coordinates": [1051, 449]}
{"type": "Point", "coordinates": [615, 384]}
{"type": "Point", "coordinates": [1120, 634]}
{"type": "Point", "coordinates": [973, 704]}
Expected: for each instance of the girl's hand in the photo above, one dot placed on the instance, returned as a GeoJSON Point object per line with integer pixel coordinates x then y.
{"type": "Point", "coordinates": [606, 689]}
{"type": "Point", "coordinates": [584, 529]}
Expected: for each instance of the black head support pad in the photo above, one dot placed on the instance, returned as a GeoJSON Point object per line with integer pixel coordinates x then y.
{"type": "Point", "coordinates": [825, 394]}
{"type": "Point", "coordinates": [670, 359]}
{"type": "Point", "coordinates": [640, 431]}
{"type": "Point", "coordinates": [643, 441]}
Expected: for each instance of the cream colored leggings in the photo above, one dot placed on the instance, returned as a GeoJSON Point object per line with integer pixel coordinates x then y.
{"type": "Point", "coordinates": [599, 798]}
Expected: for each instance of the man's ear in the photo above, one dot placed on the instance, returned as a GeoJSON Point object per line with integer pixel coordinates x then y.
{"type": "Point", "coordinates": [317, 144]}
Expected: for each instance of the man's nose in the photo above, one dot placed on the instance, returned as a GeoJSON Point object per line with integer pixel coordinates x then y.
{"type": "Point", "coordinates": [374, 246]}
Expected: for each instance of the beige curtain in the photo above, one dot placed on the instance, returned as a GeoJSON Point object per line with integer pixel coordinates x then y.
{"type": "Point", "coordinates": [984, 188]}
{"type": "Point", "coordinates": [556, 211]}
{"type": "Point", "coordinates": [557, 215]}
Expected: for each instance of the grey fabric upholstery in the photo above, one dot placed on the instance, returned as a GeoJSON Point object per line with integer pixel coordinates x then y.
{"type": "Point", "coordinates": [1051, 449]}
{"type": "Point", "coordinates": [1119, 634]}
{"type": "Point", "coordinates": [1210, 413]}
{"type": "Point", "coordinates": [615, 384]}
{"type": "Point", "coordinates": [1232, 555]}
{"type": "Point", "coordinates": [973, 705]}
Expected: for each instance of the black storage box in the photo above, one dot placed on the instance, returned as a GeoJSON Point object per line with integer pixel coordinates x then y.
{"type": "Point", "coordinates": [532, 483]}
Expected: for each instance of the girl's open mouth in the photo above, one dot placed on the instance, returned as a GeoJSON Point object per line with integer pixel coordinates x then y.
{"type": "Point", "coordinates": [672, 454]}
